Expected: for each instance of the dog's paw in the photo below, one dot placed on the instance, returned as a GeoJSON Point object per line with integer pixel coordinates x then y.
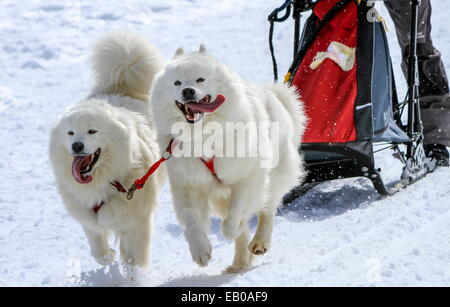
{"type": "Point", "coordinates": [259, 247]}
{"type": "Point", "coordinates": [105, 258]}
{"type": "Point", "coordinates": [231, 228]}
{"type": "Point", "coordinates": [201, 251]}
{"type": "Point", "coordinates": [133, 274]}
{"type": "Point", "coordinates": [236, 269]}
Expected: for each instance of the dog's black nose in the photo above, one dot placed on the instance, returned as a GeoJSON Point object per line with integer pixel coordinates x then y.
{"type": "Point", "coordinates": [77, 147]}
{"type": "Point", "coordinates": [188, 93]}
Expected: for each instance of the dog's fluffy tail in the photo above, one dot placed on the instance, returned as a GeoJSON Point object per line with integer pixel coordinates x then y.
{"type": "Point", "coordinates": [294, 106]}
{"type": "Point", "coordinates": [125, 64]}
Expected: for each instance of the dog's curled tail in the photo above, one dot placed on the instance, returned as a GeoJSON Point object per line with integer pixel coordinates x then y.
{"type": "Point", "coordinates": [294, 106]}
{"type": "Point", "coordinates": [125, 64]}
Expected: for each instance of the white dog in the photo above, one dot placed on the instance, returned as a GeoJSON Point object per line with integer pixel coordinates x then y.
{"type": "Point", "coordinates": [101, 145]}
{"type": "Point", "coordinates": [197, 90]}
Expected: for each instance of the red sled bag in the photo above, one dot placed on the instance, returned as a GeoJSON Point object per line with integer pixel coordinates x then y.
{"type": "Point", "coordinates": [326, 78]}
{"type": "Point", "coordinates": [343, 73]}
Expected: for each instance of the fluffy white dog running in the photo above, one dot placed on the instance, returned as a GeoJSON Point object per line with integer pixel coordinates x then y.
{"type": "Point", "coordinates": [101, 145]}
{"type": "Point", "coordinates": [195, 89]}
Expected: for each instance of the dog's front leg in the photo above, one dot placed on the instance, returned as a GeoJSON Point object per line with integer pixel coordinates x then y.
{"type": "Point", "coordinates": [246, 195]}
{"type": "Point", "coordinates": [98, 243]}
{"type": "Point", "coordinates": [242, 256]}
{"type": "Point", "coordinates": [135, 243]}
{"type": "Point", "coordinates": [196, 222]}
{"type": "Point", "coordinates": [197, 238]}
{"type": "Point", "coordinates": [263, 237]}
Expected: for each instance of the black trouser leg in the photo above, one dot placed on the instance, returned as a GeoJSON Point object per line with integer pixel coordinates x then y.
{"type": "Point", "coordinates": [434, 88]}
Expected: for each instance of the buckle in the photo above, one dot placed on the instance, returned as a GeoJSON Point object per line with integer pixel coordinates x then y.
{"type": "Point", "coordinates": [131, 191]}
{"type": "Point", "coordinates": [166, 155]}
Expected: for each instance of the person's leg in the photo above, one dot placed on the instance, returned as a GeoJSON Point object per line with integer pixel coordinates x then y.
{"type": "Point", "coordinates": [433, 78]}
{"type": "Point", "coordinates": [434, 88]}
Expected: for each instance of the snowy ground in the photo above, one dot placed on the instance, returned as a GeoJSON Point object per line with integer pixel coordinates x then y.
{"type": "Point", "coordinates": [342, 233]}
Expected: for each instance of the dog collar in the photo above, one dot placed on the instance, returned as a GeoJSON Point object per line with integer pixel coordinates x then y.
{"type": "Point", "coordinates": [119, 187]}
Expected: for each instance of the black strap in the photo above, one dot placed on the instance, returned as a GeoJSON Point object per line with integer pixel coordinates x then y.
{"type": "Point", "coordinates": [272, 52]}
{"type": "Point", "coordinates": [273, 17]}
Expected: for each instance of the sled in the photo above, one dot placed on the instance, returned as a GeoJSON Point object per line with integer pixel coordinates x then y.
{"type": "Point", "coordinates": [343, 72]}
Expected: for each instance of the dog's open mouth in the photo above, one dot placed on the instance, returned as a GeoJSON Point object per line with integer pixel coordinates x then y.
{"type": "Point", "coordinates": [82, 166]}
{"type": "Point", "coordinates": [193, 110]}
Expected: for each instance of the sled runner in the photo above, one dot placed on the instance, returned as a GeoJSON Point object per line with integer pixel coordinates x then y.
{"type": "Point", "coordinates": [342, 69]}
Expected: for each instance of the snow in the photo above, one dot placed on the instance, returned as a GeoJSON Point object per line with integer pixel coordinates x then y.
{"type": "Point", "coordinates": [341, 233]}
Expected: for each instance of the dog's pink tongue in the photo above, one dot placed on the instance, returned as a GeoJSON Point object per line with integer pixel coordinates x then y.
{"type": "Point", "coordinates": [80, 162]}
{"type": "Point", "coordinates": [207, 107]}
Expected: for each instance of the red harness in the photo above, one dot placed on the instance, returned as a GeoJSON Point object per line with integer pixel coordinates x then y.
{"type": "Point", "coordinates": [210, 165]}
{"type": "Point", "coordinates": [97, 207]}
{"type": "Point", "coordinates": [119, 187]}
{"type": "Point", "coordinates": [139, 183]}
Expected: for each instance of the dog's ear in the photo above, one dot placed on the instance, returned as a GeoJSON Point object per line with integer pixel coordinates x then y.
{"type": "Point", "coordinates": [178, 53]}
{"type": "Point", "coordinates": [202, 49]}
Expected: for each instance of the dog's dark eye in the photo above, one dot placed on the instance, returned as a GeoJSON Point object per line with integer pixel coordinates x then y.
{"type": "Point", "coordinates": [177, 83]}
{"type": "Point", "coordinates": [92, 131]}
{"type": "Point", "coordinates": [200, 80]}
{"type": "Point", "coordinates": [70, 133]}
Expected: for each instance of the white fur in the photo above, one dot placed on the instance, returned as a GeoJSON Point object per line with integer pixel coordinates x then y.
{"type": "Point", "coordinates": [124, 64]}
{"type": "Point", "coordinates": [246, 188]}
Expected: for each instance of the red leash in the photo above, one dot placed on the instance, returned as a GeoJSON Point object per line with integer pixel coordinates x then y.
{"type": "Point", "coordinates": [139, 183]}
